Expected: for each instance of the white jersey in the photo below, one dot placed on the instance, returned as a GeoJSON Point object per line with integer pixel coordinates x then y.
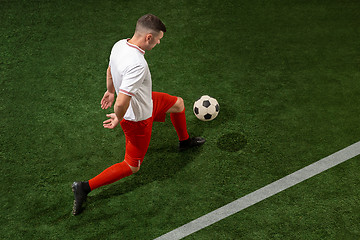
{"type": "Point", "coordinates": [131, 76]}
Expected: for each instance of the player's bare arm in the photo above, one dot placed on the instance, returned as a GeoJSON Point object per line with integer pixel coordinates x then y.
{"type": "Point", "coordinates": [121, 105]}
{"type": "Point", "coordinates": [109, 96]}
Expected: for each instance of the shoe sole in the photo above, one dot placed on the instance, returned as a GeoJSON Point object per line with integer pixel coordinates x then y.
{"type": "Point", "coordinates": [74, 212]}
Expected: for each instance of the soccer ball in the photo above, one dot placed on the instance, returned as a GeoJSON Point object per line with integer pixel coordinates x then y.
{"type": "Point", "coordinates": [206, 108]}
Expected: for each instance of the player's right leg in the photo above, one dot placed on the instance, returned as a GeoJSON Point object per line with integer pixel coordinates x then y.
{"type": "Point", "coordinates": [137, 142]}
{"type": "Point", "coordinates": [111, 174]}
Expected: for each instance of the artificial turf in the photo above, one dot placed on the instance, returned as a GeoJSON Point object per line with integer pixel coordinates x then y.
{"type": "Point", "coordinates": [286, 75]}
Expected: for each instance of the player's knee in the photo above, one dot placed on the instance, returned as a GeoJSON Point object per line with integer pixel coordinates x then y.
{"type": "Point", "coordinates": [180, 104]}
{"type": "Point", "coordinates": [134, 169]}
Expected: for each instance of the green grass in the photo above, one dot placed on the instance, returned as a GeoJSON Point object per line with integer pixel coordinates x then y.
{"type": "Point", "coordinates": [286, 75]}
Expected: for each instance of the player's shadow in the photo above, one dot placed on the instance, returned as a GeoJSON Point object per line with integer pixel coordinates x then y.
{"type": "Point", "coordinates": [162, 161]}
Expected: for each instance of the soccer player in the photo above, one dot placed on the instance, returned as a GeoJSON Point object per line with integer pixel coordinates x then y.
{"type": "Point", "coordinates": [136, 106]}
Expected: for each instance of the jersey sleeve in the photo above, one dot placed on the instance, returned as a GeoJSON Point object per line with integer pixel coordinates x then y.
{"type": "Point", "coordinates": [132, 80]}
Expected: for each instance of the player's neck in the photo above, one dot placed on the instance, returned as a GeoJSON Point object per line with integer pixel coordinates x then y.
{"type": "Point", "coordinates": [137, 42]}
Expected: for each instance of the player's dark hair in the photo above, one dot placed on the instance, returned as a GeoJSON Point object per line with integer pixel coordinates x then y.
{"type": "Point", "coordinates": [151, 22]}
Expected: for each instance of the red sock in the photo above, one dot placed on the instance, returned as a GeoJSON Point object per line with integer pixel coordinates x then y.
{"type": "Point", "coordinates": [179, 122]}
{"type": "Point", "coordinates": [110, 175]}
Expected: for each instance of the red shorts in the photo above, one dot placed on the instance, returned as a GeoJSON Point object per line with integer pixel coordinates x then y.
{"type": "Point", "coordinates": [138, 134]}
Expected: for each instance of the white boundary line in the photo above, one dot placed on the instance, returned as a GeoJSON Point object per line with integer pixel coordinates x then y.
{"type": "Point", "coordinates": [263, 193]}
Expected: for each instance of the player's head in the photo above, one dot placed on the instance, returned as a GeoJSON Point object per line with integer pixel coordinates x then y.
{"type": "Point", "coordinates": [151, 29]}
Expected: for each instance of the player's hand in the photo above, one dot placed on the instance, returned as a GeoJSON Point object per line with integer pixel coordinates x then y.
{"type": "Point", "coordinates": [107, 100]}
{"type": "Point", "coordinates": [112, 122]}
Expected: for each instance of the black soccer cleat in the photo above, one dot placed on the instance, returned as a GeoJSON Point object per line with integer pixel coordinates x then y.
{"type": "Point", "coordinates": [80, 190]}
{"type": "Point", "coordinates": [191, 142]}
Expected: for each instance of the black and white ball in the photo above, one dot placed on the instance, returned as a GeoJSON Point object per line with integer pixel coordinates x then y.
{"type": "Point", "coordinates": [206, 108]}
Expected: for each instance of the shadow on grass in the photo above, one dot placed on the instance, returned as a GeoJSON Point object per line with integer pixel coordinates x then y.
{"type": "Point", "coordinates": [162, 161]}
{"type": "Point", "coordinates": [160, 165]}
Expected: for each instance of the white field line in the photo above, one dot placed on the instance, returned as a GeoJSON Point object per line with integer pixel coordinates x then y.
{"type": "Point", "coordinates": [263, 193]}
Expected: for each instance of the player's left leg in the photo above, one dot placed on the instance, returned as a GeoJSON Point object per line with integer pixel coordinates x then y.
{"type": "Point", "coordinates": [165, 103]}
{"type": "Point", "coordinates": [178, 119]}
